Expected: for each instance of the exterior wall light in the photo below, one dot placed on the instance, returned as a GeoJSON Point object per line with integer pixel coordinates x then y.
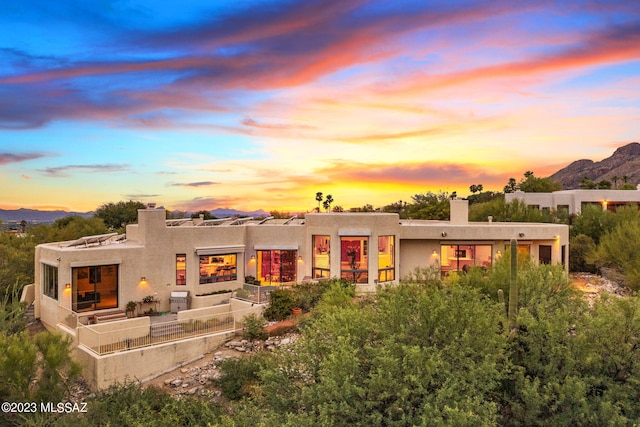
{"type": "Point", "coordinates": [521, 234]}
{"type": "Point", "coordinates": [443, 234]}
{"type": "Point", "coordinates": [434, 254]}
{"type": "Point", "coordinates": [300, 258]}
{"type": "Point", "coordinates": [252, 259]}
{"type": "Point", "coordinates": [67, 287]}
{"type": "Point", "coordinates": [143, 281]}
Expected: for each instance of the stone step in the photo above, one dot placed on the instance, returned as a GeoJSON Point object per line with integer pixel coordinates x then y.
{"type": "Point", "coordinates": [29, 313]}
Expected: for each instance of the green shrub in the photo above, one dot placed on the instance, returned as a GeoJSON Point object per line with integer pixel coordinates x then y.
{"type": "Point", "coordinates": [254, 328]}
{"type": "Point", "coordinates": [282, 301]}
{"type": "Point", "coordinates": [238, 376]}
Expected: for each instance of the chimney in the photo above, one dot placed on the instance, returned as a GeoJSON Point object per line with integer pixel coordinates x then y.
{"type": "Point", "coordinates": [459, 211]}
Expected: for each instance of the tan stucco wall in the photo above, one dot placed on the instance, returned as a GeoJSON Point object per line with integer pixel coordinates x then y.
{"type": "Point", "coordinates": [93, 336]}
{"type": "Point", "coordinates": [102, 371]}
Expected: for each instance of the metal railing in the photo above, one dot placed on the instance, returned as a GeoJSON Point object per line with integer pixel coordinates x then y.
{"type": "Point", "coordinates": [122, 339]}
{"type": "Point", "coordinates": [256, 293]}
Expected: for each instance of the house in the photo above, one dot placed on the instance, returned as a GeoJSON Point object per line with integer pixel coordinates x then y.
{"type": "Point", "coordinates": [82, 287]}
{"type": "Point", "coordinates": [573, 201]}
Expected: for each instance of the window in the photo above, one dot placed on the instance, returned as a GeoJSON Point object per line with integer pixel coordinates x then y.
{"type": "Point", "coordinates": [321, 257]}
{"type": "Point", "coordinates": [354, 265]}
{"type": "Point", "coordinates": [95, 287]}
{"type": "Point", "coordinates": [544, 252]}
{"type": "Point", "coordinates": [386, 258]}
{"type": "Point", "coordinates": [50, 281]}
{"type": "Point", "coordinates": [276, 266]}
{"type": "Point", "coordinates": [218, 268]}
{"type": "Point", "coordinates": [463, 257]}
{"type": "Point", "coordinates": [181, 269]}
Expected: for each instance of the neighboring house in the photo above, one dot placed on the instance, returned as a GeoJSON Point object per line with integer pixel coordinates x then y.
{"type": "Point", "coordinates": [573, 201]}
{"type": "Point", "coordinates": [77, 282]}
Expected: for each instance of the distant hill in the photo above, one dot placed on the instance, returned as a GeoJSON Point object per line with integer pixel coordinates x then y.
{"type": "Point", "coordinates": [625, 161]}
{"type": "Point", "coordinates": [225, 213]}
{"type": "Point", "coordinates": [32, 216]}
{"type": "Point", "coordinates": [36, 216]}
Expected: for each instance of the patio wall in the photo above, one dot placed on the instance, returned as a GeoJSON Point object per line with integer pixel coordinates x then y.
{"type": "Point", "coordinates": [102, 371]}
{"type": "Point", "coordinates": [94, 336]}
{"type": "Point", "coordinates": [209, 300]}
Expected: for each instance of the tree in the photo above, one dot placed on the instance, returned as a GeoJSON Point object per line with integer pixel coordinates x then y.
{"type": "Point", "coordinates": [327, 202]}
{"type": "Point", "coordinates": [205, 215]}
{"type": "Point", "coordinates": [511, 186]}
{"type": "Point", "coordinates": [319, 199]}
{"type": "Point", "coordinates": [615, 179]}
{"type": "Point", "coordinates": [117, 215]}
{"type": "Point", "coordinates": [429, 206]}
{"type": "Point", "coordinates": [395, 358]}
{"type": "Point", "coordinates": [532, 184]}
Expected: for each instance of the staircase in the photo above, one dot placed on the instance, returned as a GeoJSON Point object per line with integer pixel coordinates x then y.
{"type": "Point", "coordinates": [29, 314]}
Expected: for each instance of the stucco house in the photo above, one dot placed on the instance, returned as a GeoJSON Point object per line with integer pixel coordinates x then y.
{"type": "Point", "coordinates": [573, 201]}
{"type": "Point", "coordinates": [82, 287]}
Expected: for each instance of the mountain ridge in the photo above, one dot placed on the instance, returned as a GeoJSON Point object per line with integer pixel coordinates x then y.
{"type": "Point", "coordinates": [625, 161]}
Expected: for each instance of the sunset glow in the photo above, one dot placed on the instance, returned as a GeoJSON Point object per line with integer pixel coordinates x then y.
{"type": "Point", "coordinates": [259, 105]}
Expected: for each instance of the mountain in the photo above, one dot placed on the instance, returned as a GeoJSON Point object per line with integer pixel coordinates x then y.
{"type": "Point", "coordinates": [32, 216]}
{"type": "Point", "coordinates": [226, 213]}
{"type": "Point", "coordinates": [625, 161]}
{"type": "Point", "coordinates": [35, 216]}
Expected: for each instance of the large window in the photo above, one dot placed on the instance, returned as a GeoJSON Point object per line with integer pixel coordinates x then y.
{"type": "Point", "coordinates": [95, 287]}
{"type": "Point", "coordinates": [321, 257]}
{"type": "Point", "coordinates": [276, 266]}
{"type": "Point", "coordinates": [50, 281]}
{"type": "Point", "coordinates": [181, 269]}
{"type": "Point", "coordinates": [354, 259]}
{"type": "Point", "coordinates": [218, 268]}
{"type": "Point", "coordinates": [463, 257]}
{"type": "Point", "coordinates": [386, 258]}
{"type": "Point", "coordinates": [544, 254]}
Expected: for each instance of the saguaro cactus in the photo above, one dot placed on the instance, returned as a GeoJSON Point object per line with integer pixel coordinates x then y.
{"type": "Point", "coordinates": [513, 285]}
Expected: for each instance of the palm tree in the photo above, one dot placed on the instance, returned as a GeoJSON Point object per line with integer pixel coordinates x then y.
{"type": "Point", "coordinates": [615, 179]}
{"type": "Point", "coordinates": [319, 199]}
{"type": "Point", "coordinates": [625, 178]}
{"type": "Point", "coordinates": [327, 203]}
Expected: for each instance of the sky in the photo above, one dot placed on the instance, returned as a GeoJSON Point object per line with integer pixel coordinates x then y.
{"type": "Point", "coordinates": [197, 105]}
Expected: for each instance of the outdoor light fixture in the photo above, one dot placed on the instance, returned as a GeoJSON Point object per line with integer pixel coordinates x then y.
{"type": "Point", "coordinates": [443, 234]}
{"type": "Point", "coordinates": [143, 281]}
{"type": "Point", "coordinates": [253, 258]}
{"type": "Point", "coordinates": [300, 258]}
{"type": "Point", "coordinates": [521, 234]}
{"type": "Point", "coordinates": [67, 287]}
{"type": "Point", "coordinates": [434, 254]}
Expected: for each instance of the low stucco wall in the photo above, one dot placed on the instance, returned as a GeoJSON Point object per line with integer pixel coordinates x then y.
{"type": "Point", "coordinates": [210, 300]}
{"type": "Point", "coordinates": [112, 332]}
{"type": "Point", "coordinates": [199, 313]}
{"type": "Point", "coordinates": [102, 371]}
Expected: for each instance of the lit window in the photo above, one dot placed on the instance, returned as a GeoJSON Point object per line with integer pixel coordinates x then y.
{"type": "Point", "coordinates": [181, 269]}
{"type": "Point", "coordinates": [277, 266]}
{"type": "Point", "coordinates": [354, 259]}
{"type": "Point", "coordinates": [386, 258]}
{"type": "Point", "coordinates": [50, 281]}
{"type": "Point", "coordinates": [321, 257]}
{"type": "Point", "coordinates": [218, 268]}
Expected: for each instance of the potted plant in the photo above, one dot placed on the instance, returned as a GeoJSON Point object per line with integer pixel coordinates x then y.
{"type": "Point", "coordinates": [131, 307]}
{"type": "Point", "coordinates": [148, 298]}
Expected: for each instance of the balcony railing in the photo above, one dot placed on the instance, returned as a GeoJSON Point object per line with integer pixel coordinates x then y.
{"type": "Point", "coordinates": [141, 332]}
